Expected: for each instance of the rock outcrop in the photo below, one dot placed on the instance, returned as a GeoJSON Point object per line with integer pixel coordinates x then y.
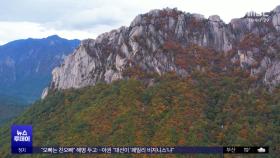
{"type": "Point", "coordinates": [276, 18]}
{"type": "Point", "coordinates": [253, 42]}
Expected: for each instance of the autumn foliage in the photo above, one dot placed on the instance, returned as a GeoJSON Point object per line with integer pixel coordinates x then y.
{"type": "Point", "coordinates": [205, 109]}
{"type": "Point", "coordinates": [250, 41]}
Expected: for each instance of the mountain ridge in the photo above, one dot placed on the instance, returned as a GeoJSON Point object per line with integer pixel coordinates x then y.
{"type": "Point", "coordinates": [251, 43]}
{"type": "Point", "coordinates": [25, 65]}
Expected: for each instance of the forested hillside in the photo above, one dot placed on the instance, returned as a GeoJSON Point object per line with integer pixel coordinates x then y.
{"type": "Point", "coordinates": [206, 109]}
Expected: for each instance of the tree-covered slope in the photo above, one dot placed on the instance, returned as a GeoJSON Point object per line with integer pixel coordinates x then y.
{"type": "Point", "coordinates": [10, 107]}
{"type": "Point", "coordinates": [206, 109]}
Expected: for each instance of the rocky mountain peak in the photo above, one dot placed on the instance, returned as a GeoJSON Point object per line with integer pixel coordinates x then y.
{"type": "Point", "coordinates": [215, 18]}
{"type": "Point", "coordinates": [276, 18]}
{"type": "Point", "coordinates": [277, 9]}
{"type": "Point", "coordinates": [153, 43]}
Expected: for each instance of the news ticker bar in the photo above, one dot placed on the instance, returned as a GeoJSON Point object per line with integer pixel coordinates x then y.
{"type": "Point", "coordinates": [144, 150]}
{"type": "Point", "coordinates": [22, 143]}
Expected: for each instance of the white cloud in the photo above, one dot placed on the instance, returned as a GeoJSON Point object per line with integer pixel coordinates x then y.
{"type": "Point", "coordinates": [88, 18]}
{"type": "Point", "coordinates": [10, 31]}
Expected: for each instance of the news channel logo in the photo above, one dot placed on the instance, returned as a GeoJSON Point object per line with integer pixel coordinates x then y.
{"type": "Point", "coordinates": [21, 139]}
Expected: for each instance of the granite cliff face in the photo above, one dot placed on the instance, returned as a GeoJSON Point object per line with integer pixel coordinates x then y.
{"type": "Point", "coordinates": [251, 42]}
